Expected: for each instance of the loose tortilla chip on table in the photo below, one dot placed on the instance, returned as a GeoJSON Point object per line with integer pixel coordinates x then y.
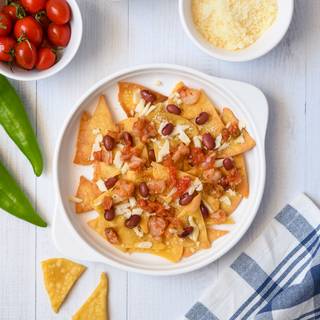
{"type": "Point", "coordinates": [96, 307]}
{"type": "Point", "coordinates": [214, 125]}
{"type": "Point", "coordinates": [100, 123]}
{"type": "Point", "coordinates": [87, 192]}
{"type": "Point", "coordinates": [59, 277]}
{"type": "Point", "coordinates": [127, 93]}
{"type": "Point", "coordinates": [239, 145]}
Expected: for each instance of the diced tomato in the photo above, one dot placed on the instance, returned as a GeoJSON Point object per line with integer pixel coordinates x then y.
{"type": "Point", "coordinates": [150, 206]}
{"type": "Point", "coordinates": [173, 172]}
{"type": "Point", "coordinates": [97, 155]}
{"type": "Point", "coordinates": [197, 156]}
{"type": "Point", "coordinates": [182, 185]}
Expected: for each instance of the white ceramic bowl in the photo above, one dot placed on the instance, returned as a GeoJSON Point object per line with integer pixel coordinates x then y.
{"type": "Point", "coordinates": [71, 233]}
{"type": "Point", "coordinates": [68, 53]}
{"type": "Point", "coordinates": [262, 46]}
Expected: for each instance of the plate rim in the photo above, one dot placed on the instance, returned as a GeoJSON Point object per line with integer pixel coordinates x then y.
{"type": "Point", "coordinates": [59, 202]}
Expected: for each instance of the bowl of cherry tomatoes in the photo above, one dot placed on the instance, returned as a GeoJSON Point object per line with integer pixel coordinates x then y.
{"type": "Point", "coordinates": [38, 38]}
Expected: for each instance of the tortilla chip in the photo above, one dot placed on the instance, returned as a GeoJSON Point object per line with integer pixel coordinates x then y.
{"type": "Point", "coordinates": [234, 147]}
{"type": "Point", "coordinates": [214, 234]}
{"type": "Point", "coordinates": [235, 201]}
{"type": "Point", "coordinates": [84, 141]}
{"type": "Point", "coordinates": [102, 118]}
{"type": "Point", "coordinates": [95, 307]}
{"type": "Point", "coordinates": [59, 276]}
{"type": "Point", "coordinates": [214, 125]}
{"type": "Point", "coordinates": [104, 171]}
{"type": "Point", "coordinates": [193, 210]}
{"type": "Point", "coordinates": [243, 187]}
{"type": "Point", "coordinates": [87, 192]}
{"type": "Point", "coordinates": [159, 172]}
{"type": "Point", "coordinates": [130, 241]}
{"type": "Point", "coordinates": [102, 121]}
{"type": "Point", "coordinates": [127, 91]}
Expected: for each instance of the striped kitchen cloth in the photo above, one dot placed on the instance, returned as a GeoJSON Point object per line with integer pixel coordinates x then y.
{"type": "Point", "coordinates": [277, 277]}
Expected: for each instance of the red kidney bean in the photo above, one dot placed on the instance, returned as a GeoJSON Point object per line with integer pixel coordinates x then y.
{"type": "Point", "coordinates": [133, 221]}
{"type": "Point", "coordinates": [186, 232]}
{"type": "Point", "coordinates": [152, 155]}
{"type": "Point", "coordinates": [143, 189]}
{"type": "Point", "coordinates": [185, 199]}
{"type": "Point", "coordinates": [208, 141]}
{"type": "Point", "coordinates": [108, 142]}
{"type": "Point", "coordinates": [167, 129]}
{"type": "Point", "coordinates": [127, 137]}
{"type": "Point", "coordinates": [202, 118]}
{"type": "Point", "coordinates": [109, 214]}
{"type": "Point", "coordinates": [228, 164]}
{"type": "Point", "coordinates": [224, 183]}
{"type": "Point", "coordinates": [109, 183]}
{"type": "Point", "coordinates": [111, 235]}
{"type": "Point", "coordinates": [148, 96]}
{"type": "Point", "coordinates": [172, 108]}
{"type": "Point", "coordinates": [204, 210]}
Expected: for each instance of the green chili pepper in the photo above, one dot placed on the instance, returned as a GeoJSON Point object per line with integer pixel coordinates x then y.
{"type": "Point", "coordinates": [14, 119]}
{"type": "Point", "coordinates": [14, 201]}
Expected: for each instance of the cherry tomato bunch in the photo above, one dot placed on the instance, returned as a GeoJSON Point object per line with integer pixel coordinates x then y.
{"type": "Point", "coordinates": [31, 31]}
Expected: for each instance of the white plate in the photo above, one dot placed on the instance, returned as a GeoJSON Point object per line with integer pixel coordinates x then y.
{"type": "Point", "coordinates": [71, 234]}
{"type": "Point", "coordinates": [263, 45]}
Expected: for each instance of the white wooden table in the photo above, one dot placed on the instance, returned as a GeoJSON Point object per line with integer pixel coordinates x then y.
{"type": "Point", "coordinates": [128, 32]}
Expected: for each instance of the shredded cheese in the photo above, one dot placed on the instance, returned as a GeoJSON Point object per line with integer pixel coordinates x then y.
{"type": "Point", "coordinates": [144, 245]}
{"type": "Point", "coordinates": [233, 24]}
{"type": "Point", "coordinates": [101, 185]}
{"type": "Point", "coordinates": [195, 233]}
{"type": "Point", "coordinates": [226, 200]}
{"type": "Point", "coordinates": [240, 140]}
{"type": "Point", "coordinates": [218, 141]}
{"type": "Point", "coordinates": [163, 151]}
{"type": "Point", "coordinates": [197, 141]}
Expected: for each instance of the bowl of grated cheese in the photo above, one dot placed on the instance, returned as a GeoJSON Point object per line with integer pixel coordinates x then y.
{"type": "Point", "coordinates": [236, 30]}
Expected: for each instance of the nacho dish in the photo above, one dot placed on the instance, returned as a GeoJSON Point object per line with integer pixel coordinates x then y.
{"type": "Point", "coordinates": [168, 177]}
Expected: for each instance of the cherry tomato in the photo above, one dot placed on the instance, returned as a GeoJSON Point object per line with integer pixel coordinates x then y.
{"type": "Point", "coordinates": [43, 19]}
{"type": "Point", "coordinates": [5, 25]}
{"type": "Point", "coordinates": [58, 11]}
{"type": "Point", "coordinates": [59, 35]}
{"type": "Point", "coordinates": [46, 58]}
{"type": "Point", "coordinates": [14, 11]}
{"type": "Point", "coordinates": [33, 6]}
{"type": "Point", "coordinates": [26, 54]}
{"type": "Point", "coordinates": [30, 29]}
{"type": "Point", "coordinates": [7, 49]}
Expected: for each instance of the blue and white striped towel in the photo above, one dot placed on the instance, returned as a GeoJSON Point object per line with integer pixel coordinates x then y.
{"type": "Point", "coordinates": [277, 277]}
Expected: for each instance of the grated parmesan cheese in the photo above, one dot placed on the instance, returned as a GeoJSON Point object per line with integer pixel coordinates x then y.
{"type": "Point", "coordinates": [233, 24]}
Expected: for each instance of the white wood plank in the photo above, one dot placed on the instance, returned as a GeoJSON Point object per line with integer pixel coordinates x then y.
{"type": "Point", "coordinates": [17, 238]}
{"type": "Point", "coordinates": [311, 134]}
